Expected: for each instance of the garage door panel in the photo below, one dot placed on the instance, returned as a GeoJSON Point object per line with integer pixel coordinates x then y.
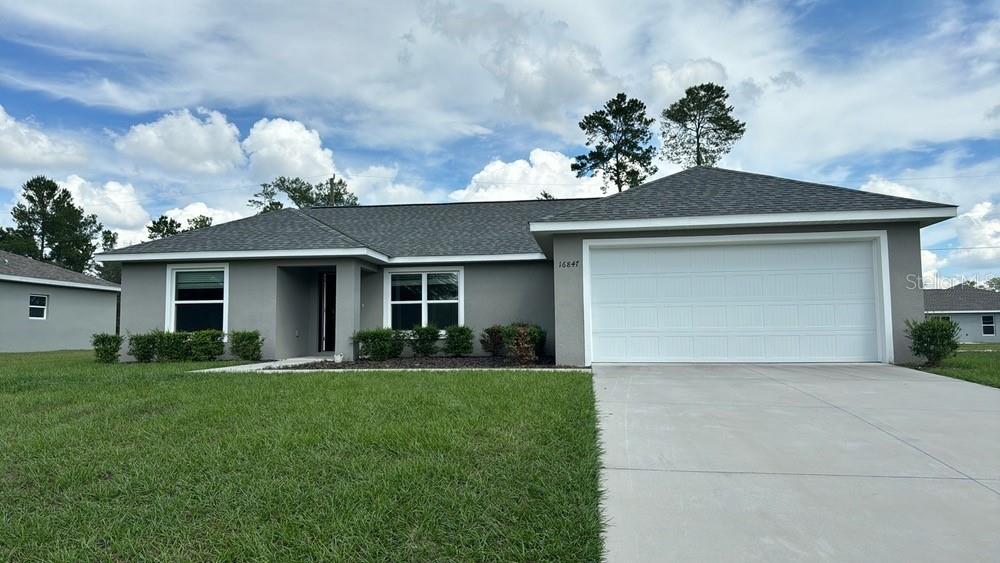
{"type": "Point", "coordinates": [760, 302]}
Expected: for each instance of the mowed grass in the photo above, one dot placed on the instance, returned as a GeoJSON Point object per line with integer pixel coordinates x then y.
{"type": "Point", "coordinates": [978, 367]}
{"type": "Point", "coordinates": [148, 462]}
{"type": "Point", "coordinates": [979, 347]}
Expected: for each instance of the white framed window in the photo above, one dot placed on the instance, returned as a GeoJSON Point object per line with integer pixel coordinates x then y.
{"type": "Point", "coordinates": [422, 296]}
{"type": "Point", "coordinates": [197, 297]}
{"type": "Point", "coordinates": [38, 307]}
{"type": "Point", "coordinates": [989, 329]}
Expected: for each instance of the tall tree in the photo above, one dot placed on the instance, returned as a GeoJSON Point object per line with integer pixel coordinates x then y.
{"type": "Point", "coordinates": [993, 283]}
{"type": "Point", "coordinates": [699, 129]}
{"type": "Point", "coordinates": [266, 199]}
{"type": "Point", "coordinates": [163, 227]}
{"type": "Point", "coordinates": [544, 194]}
{"type": "Point", "coordinates": [619, 139]}
{"type": "Point", "coordinates": [57, 229]}
{"type": "Point", "coordinates": [111, 271]}
{"type": "Point", "coordinates": [17, 242]}
{"type": "Point", "coordinates": [332, 192]}
{"type": "Point", "coordinates": [199, 222]}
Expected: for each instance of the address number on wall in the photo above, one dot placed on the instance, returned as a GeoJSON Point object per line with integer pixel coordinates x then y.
{"type": "Point", "coordinates": [569, 263]}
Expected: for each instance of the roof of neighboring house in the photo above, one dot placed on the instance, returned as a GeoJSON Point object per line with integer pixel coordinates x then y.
{"type": "Point", "coordinates": [453, 229]}
{"type": "Point", "coordinates": [388, 232]}
{"type": "Point", "coordinates": [14, 267]}
{"type": "Point", "coordinates": [961, 298]}
{"type": "Point", "coordinates": [704, 191]}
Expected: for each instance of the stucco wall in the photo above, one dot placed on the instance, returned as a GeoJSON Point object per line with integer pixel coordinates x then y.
{"type": "Point", "coordinates": [971, 325]}
{"type": "Point", "coordinates": [907, 298]}
{"type": "Point", "coordinates": [281, 299]}
{"type": "Point", "coordinates": [73, 316]}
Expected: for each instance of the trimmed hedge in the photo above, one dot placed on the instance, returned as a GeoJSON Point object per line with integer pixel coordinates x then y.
{"type": "Point", "coordinates": [424, 340]}
{"type": "Point", "coordinates": [246, 344]}
{"type": "Point", "coordinates": [173, 347]}
{"type": "Point", "coordinates": [491, 340]}
{"type": "Point", "coordinates": [206, 345]}
{"type": "Point", "coordinates": [106, 347]}
{"type": "Point", "coordinates": [143, 346]}
{"type": "Point", "coordinates": [378, 344]}
{"type": "Point", "coordinates": [457, 340]}
{"type": "Point", "coordinates": [934, 338]}
{"type": "Point", "coordinates": [524, 332]}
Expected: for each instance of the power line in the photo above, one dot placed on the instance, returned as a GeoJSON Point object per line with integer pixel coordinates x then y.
{"type": "Point", "coordinates": [963, 248]}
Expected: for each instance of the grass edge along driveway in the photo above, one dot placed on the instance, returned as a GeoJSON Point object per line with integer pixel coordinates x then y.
{"type": "Point", "coordinates": [135, 462]}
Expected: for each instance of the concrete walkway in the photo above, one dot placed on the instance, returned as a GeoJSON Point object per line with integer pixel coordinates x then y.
{"type": "Point", "coordinates": [798, 463]}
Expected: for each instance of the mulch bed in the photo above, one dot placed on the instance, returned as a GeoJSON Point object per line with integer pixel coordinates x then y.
{"type": "Point", "coordinates": [432, 362]}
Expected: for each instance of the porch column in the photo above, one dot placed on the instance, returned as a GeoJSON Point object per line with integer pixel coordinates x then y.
{"type": "Point", "coordinates": [348, 307]}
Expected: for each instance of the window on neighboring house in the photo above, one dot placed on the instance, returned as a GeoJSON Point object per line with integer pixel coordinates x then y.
{"type": "Point", "coordinates": [989, 329]}
{"type": "Point", "coordinates": [38, 307]}
{"type": "Point", "coordinates": [418, 298]}
{"type": "Point", "coordinates": [198, 298]}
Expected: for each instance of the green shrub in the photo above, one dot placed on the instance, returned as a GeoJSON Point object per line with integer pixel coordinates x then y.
{"type": "Point", "coordinates": [535, 334]}
{"type": "Point", "coordinates": [934, 338]}
{"type": "Point", "coordinates": [378, 344]}
{"type": "Point", "coordinates": [491, 340]}
{"type": "Point", "coordinates": [457, 340]}
{"type": "Point", "coordinates": [173, 347]}
{"type": "Point", "coordinates": [521, 344]}
{"type": "Point", "coordinates": [246, 344]}
{"type": "Point", "coordinates": [143, 346]}
{"type": "Point", "coordinates": [424, 340]}
{"type": "Point", "coordinates": [106, 347]}
{"type": "Point", "coordinates": [206, 345]}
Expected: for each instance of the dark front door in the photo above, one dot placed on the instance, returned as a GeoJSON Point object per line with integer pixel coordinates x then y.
{"type": "Point", "coordinates": [328, 311]}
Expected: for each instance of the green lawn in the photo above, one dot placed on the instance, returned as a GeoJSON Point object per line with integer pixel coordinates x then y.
{"type": "Point", "coordinates": [979, 346]}
{"type": "Point", "coordinates": [144, 462]}
{"type": "Point", "coordinates": [978, 367]}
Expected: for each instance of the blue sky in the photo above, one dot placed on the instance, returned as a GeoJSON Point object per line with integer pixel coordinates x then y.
{"type": "Point", "coordinates": [184, 111]}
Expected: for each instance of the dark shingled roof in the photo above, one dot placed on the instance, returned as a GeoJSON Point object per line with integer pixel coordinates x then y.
{"type": "Point", "coordinates": [286, 229]}
{"type": "Point", "coordinates": [444, 230]}
{"type": "Point", "coordinates": [703, 191]}
{"type": "Point", "coordinates": [961, 298]}
{"type": "Point", "coordinates": [21, 266]}
{"type": "Point", "coordinates": [394, 230]}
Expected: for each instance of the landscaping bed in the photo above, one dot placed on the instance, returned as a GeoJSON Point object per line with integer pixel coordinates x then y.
{"type": "Point", "coordinates": [432, 362]}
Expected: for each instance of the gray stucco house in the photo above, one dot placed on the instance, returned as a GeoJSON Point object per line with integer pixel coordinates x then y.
{"type": "Point", "coordinates": [975, 310]}
{"type": "Point", "coordinates": [706, 265]}
{"type": "Point", "coordinates": [46, 307]}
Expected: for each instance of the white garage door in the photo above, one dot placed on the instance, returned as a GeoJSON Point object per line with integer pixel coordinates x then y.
{"type": "Point", "coordinates": [773, 302]}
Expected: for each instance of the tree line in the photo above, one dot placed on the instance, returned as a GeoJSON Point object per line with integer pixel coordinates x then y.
{"type": "Point", "coordinates": [697, 130]}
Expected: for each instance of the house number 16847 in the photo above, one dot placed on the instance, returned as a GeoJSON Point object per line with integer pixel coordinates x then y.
{"type": "Point", "coordinates": [569, 263]}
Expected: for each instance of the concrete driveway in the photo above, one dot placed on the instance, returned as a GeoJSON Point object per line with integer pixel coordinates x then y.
{"type": "Point", "coordinates": [859, 462]}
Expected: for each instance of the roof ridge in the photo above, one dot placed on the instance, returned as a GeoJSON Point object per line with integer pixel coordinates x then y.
{"type": "Point", "coordinates": [431, 203]}
{"type": "Point", "coordinates": [331, 228]}
{"type": "Point", "coordinates": [96, 280]}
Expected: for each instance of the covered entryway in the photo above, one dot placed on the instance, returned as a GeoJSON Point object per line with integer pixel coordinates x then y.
{"type": "Point", "coordinates": [760, 298]}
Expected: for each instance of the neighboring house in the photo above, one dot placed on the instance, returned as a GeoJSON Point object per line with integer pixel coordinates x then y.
{"type": "Point", "coordinates": [975, 310]}
{"type": "Point", "coordinates": [45, 307]}
{"type": "Point", "coordinates": [706, 265]}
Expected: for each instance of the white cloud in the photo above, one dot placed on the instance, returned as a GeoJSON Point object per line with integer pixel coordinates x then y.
{"type": "Point", "coordinates": [525, 179]}
{"type": "Point", "coordinates": [116, 204]}
{"type": "Point", "coordinates": [281, 147]}
{"type": "Point", "coordinates": [379, 185]}
{"type": "Point", "coordinates": [205, 143]}
{"type": "Point", "coordinates": [24, 145]}
{"type": "Point", "coordinates": [192, 210]}
{"type": "Point", "coordinates": [668, 82]}
{"type": "Point", "coordinates": [979, 236]}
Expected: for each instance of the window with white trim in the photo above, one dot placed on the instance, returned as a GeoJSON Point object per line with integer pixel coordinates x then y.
{"type": "Point", "coordinates": [989, 329]}
{"type": "Point", "coordinates": [198, 299]}
{"type": "Point", "coordinates": [420, 298]}
{"type": "Point", "coordinates": [38, 307]}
